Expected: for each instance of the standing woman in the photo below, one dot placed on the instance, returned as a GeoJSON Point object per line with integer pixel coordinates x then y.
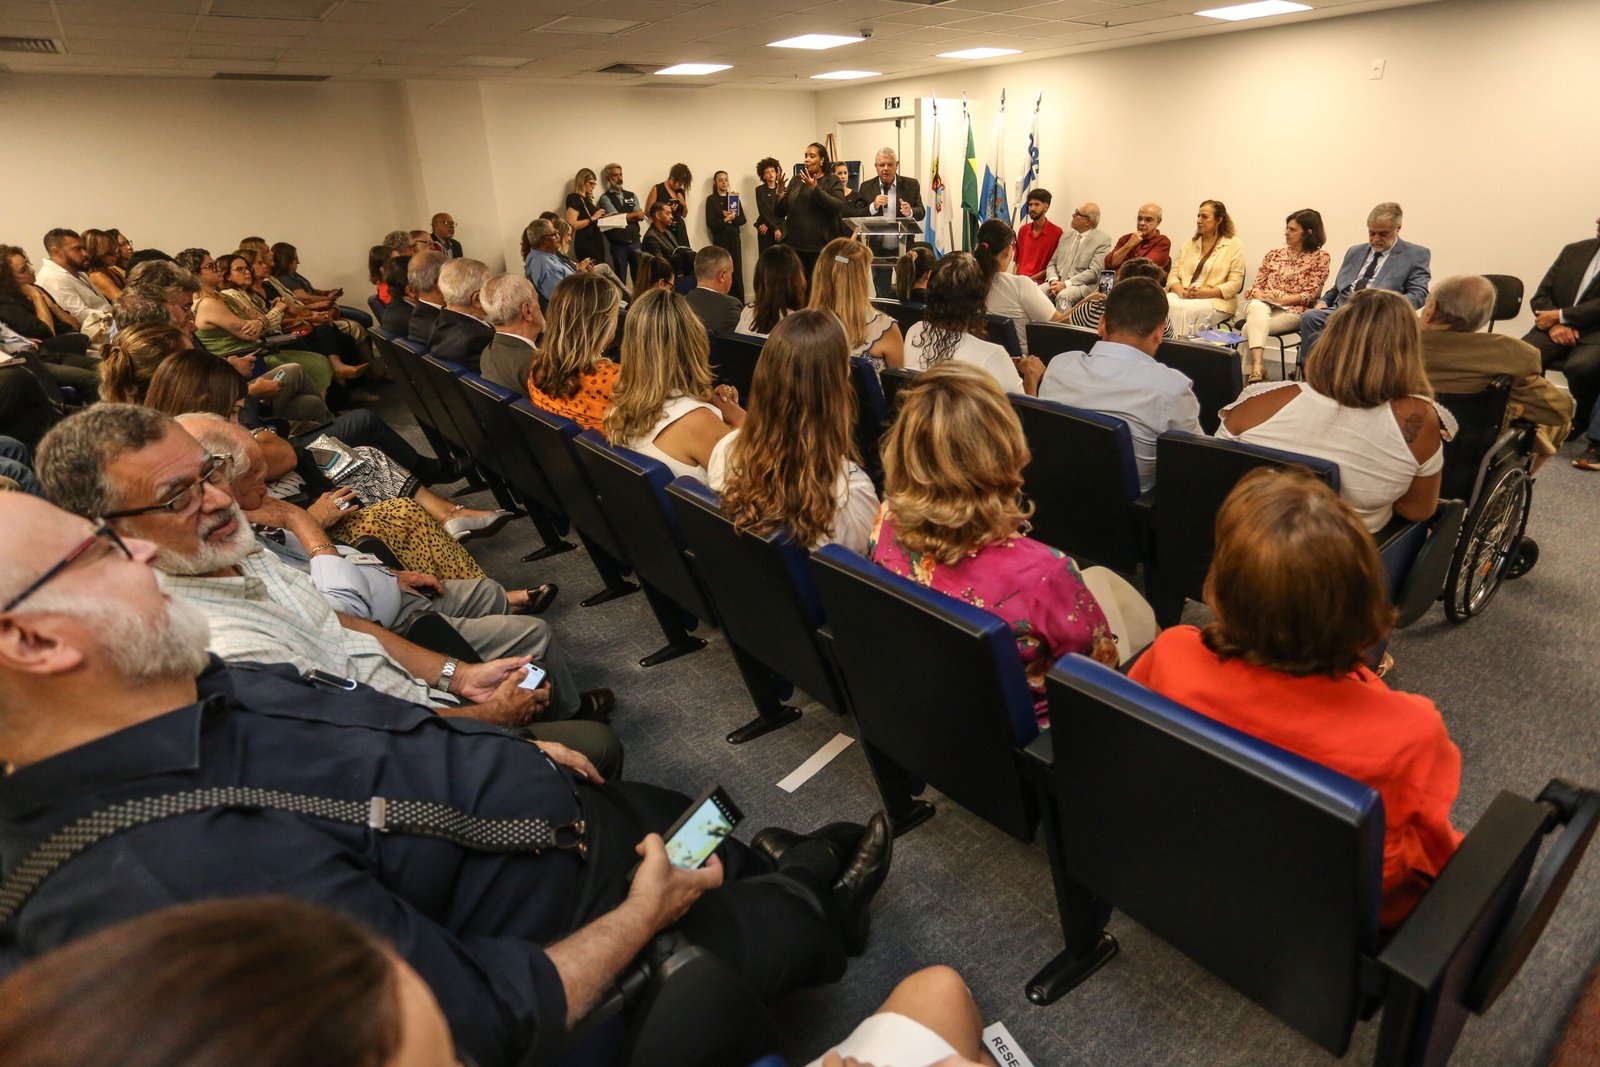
{"type": "Point", "coordinates": [588, 242]}
{"type": "Point", "coordinates": [812, 204]}
{"type": "Point", "coordinates": [724, 216]}
{"type": "Point", "coordinates": [1288, 282]}
{"type": "Point", "coordinates": [675, 189]}
{"type": "Point", "coordinates": [104, 273]}
{"type": "Point", "coordinates": [1207, 273]}
{"type": "Point", "coordinates": [769, 204]}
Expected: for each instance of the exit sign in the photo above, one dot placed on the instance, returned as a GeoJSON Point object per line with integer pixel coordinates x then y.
{"type": "Point", "coordinates": [890, 103]}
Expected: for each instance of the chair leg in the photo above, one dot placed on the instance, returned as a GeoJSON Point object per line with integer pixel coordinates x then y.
{"type": "Point", "coordinates": [771, 712]}
{"type": "Point", "coordinates": [1089, 946]}
{"type": "Point", "coordinates": [545, 523]}
{"type": "Point", "coordinates": [898, 789]}
{"type": "Point", "coordinates": [679, 641]}
{"type": "Point", "coordinates": [610, 573]}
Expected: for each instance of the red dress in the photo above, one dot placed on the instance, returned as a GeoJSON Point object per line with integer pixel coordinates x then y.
{"type": "Point", "coordinates": [1356, 725]}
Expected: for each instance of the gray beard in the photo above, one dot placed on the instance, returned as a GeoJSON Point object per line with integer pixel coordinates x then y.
{"type": "Point", "coordinates": [210, 556]}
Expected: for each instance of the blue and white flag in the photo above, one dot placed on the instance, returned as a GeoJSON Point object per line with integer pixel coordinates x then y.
{"type": "Point", "coordinates": [992, 203]}
{"type": "Point", "coordinates": [1031, 178]}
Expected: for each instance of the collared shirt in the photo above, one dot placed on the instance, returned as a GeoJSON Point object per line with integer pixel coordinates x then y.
{"type": "Point", "coordinates": [545, 270]}
{"type": "Point", "coordinates": [354, 582]}
{"type": "Point", "coordinates": [1376, 268]}
{"type": "Point", "coordinates": [1034, 251]}
{"type": "Point", "coordinates": [470, 922]}
{"type": "Point", "coordinates": [1583, 283]}
{"type": "Point", "coordinates": [74, 292]}
{"type": "Point", "coordinates": [1121, 381]}
{"type": "Point", "coordinates": [271, 613]}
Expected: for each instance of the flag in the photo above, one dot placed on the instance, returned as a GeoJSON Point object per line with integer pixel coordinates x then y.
{"type": "Point", "coordinates": [994, 204]}
{"type": "Point", "coordinates": [969, 186]}
{"type": "Point", "coordinates": [934, 219]}
{"type": "Point", "coordinates": [1032, 174]}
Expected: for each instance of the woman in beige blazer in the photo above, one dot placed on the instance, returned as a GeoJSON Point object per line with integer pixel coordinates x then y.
{"type": "Point", "coordinates": [1207, 273]}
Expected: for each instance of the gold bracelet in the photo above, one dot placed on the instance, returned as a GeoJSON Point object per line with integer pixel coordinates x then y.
{"type": "Point", "coordinates": [326, 545]}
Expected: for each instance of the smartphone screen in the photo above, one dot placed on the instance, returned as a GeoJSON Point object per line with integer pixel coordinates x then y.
{"type": "Point", "coordinates": [1108, 278]}
{"type": "Point", "coordinates": [697, 835]}
{"type": "Point", "coordinates": [534, 679]}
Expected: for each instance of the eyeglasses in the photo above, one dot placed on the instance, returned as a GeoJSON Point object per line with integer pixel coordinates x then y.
{"type": "Point", "coordinates": [214, 471]}
{"type": "Point", "coordinates": [1079, 215]}
{"type": "Point", "coordinates": [103, 534]}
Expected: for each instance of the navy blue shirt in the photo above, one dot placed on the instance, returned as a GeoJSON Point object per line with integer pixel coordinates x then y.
{"type": "Point", "coordinates": [471, 923]}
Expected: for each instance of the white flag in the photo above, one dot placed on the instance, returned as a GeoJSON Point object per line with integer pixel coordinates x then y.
{"type": "Point", "coordinates": [933, 221]}
{"type": "Point", "coordinates": [1031, 177]}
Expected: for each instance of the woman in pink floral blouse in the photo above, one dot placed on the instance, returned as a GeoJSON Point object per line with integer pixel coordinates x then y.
{"type": "Point", "coordinates": [951, 520]}
{"type": "Point", "coordinates": [1289, 281]}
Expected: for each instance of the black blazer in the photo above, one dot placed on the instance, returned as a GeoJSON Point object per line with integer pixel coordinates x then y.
{"type": "Point", "coordinates": [397, 316]}
{"type": "Point", "coordinates": [664, 243]}
{"type": "Point", "coordinates": [420, 328]}
{"type": "Point", "coordinates": [459, 337]}
{"type": "Point", "coordinates": [769, 211]}
{"type": "Point", "coordinates": [813, 212]}
{"type": "Point", "coordinates": [452, 247]}
{"type": "Point", "coordinates": [1559, 290]}
{"type": "Point", "coordinates": [723, 234]}
{"type": "Point", "coordinates": [910, 192]}
{"type": "Point", "coordinates": [719, 311]}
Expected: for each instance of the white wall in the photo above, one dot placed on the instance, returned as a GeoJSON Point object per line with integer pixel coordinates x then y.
{"type": "Point", "coordinates": [1482, 128]}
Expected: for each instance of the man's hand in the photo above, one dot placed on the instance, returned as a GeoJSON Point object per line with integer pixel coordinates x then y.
{"type": "Point", "coordinates": [762, 227]}
{"type": "Point", "coordinates": [1321, 305]}
{"type": "Point", "coordinates": [777, 235]}
{"type": "Point", "coordinates": [275, 512]}
{"type": "Point", "coordinates": [1056, 286]}
{"type": "Point", "coordinates": [880, 200]}
{"type": "Point", "coordinates": [572, 760]}
{"type": "Point", "coordinates": [264, 388]}
{"type": "Point", "coordinates": [418, 582]}
{"type": "Point", "coordinates": [1032, 370]}
{"type": "Point", "coordinates": [1562, 334]}
{"type": "Point", "coordinates": [905, 209]}
{"type": "Point", "coordinates": [663, 892]}
{"type": "Point", "coordinates": [586, 264]}
{"type": "Point", "coordinates": [244, 363]}
{"type": "Point", "coordinates": [1545, 320]}
{"type": "Point", "coordinates": [504, 703]}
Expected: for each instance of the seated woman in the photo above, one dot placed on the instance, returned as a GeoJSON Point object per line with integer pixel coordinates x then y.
{"type": "Point", "coordinates": [33, 313]}
{"type": "Point", "coordinates": [321, 313]}
{"type": "Point", "coordinates": [104, 270]}
{"type": "Point", "coordinates": [952, 479]}
{"type": "Point", "coordinates": [1207, 273]}
{"type": "Point", "coordinates": [286, 269]}
{"type": "Point", "coordinates": [792, 466]}
{"type": "Point", "coordinates": [1011, 295]}
{"type": "Point", "coordinates": [842, 284]}
{"type": "Point", "coordinates": [780, 289]}
{"type": "Point", "coordinates": [422, 528]}
{"type": "Point", "coordinates": [570, 375]}
{"type": "Point", "coordinates": [653, 272]}
{"type": "Point", "coordinates": [1087, 313]}
{"type": "Point", "coordinates": [952, 328]}
{"type": "Point", "coordinates": [227, 323]}
{"type": "Point", "coordinates": [318, 330]}
{"type": "Point", "coordinates": [1366, 404]}
{"type": "Point", "coordinates": [299, 984]}
{"type": "Point", "coordinates": [1299, 593]}
{"type": "Point", "coordinates": [911, 272]}
{"type": "Point", "coordinates": [1289, 281]}
{"type": "Point", "coordinates": [377, 256]}
{"type": "Point", "coordinates": [663, 404]}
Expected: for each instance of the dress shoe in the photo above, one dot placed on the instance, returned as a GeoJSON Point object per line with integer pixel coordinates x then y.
{"type": "Point", "coordinates": [431, 471]}
{"type": "Point", "coordinates": [539, 598]}
{"type": "Point", "coordinates": [478, 525]}
{"type": "Point", "coordinates": [862, 877]}
{"type": "Point", "coordinates": [842, 838]}
{"type": "Point", "coordinates": [595, 705]}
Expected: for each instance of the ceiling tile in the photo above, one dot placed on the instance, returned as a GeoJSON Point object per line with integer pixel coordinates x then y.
{"type": "Point", "coordinates": [396, 12]}
{"type": "Point", "coordinates": [251, 27]}
{"type": "Point", "coordinates": [262, 41]}
{"type": "Point", "coordinates": [278, 10]}
{"type": "Point", "coordinates": [130, 34]}
{"type": "Point", "coordinates": [1065, 9]}
{"type": "Point", "coordinates": [215, 51]}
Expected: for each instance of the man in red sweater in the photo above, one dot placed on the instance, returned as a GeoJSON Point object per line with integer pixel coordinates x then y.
{"type": "Point", "coordinates": [1036, 242]}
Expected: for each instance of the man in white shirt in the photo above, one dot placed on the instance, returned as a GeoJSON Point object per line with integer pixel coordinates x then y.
{"type": "Point", "coordinates": [512, 307]}
{"type": "Point", "coordinates": [1074, 270]}
{"type": "Point", "coordinates": [61, 275]}
{"type": "Point", "coordinates": [1120, 377]}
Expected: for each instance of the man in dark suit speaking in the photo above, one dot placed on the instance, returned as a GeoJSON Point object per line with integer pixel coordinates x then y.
{"type": "Point", "coordinates": [891, 196]}
{"type": "Point", "coordinates": [1566, 323]}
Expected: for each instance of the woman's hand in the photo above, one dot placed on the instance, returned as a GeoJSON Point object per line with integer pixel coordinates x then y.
{"type": "Point", "coordinates": [808, 179]}
{"type": "Point", "coordinates": [729, 216]}
{"type": "Point", "coordinates": [264, 387]}
{"type": "Point", "coordinates": [329, 508]}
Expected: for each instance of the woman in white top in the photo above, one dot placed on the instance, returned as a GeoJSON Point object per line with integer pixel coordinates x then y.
{"type": "Point", "coordinates": [1207, 273]}
{"type": "Point", "coordinates": [663, 404]}
{"type": "Point", "coordinates": [780, 288]}
{"type": "Point", "coordinates": [956, 308]}
{"type": "Point", "coordinates": [1017, 298]}
{"type": "Point", "coordinates": [793, 466]}
{"type": "Point", "coordinates": [1366, 404]}
{"type": "Point", "coordinates": [842, 284]}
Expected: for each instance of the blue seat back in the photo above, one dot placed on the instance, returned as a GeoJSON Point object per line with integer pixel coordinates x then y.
{"type": "Point", "coordinates": [509, 455]}
{"type": "Point", "coordinates": [872, 416]}
{"type": "Point", "coordinates": [733, 361]}
{"type": "Point", "coordinates": [1049, 339]}
{"type": "Point", "coordinates": [445, 377]}
{"type": "Point", "coordinates": [937, 685]}
{"type": "Point", "coordinates": [1212, 369]}
{"type": "Point", "coordinates": [1002, 331]}
{"type": "Point", "coordinates": [377, 307]}
{"type": "Point", "coordinates": [550, 438]}
{"type": "Point", "coordinates": [1083, 481]}
{"type": "Point", "coordinates": [632, 490]}
{"type": "Point", "coordinates": [763, 591]}
{"type": "Point", "coordinates": [1263, 867]}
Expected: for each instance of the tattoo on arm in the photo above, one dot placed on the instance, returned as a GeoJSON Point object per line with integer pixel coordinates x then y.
{"type": "Point", "coordinates": [1411, 427]}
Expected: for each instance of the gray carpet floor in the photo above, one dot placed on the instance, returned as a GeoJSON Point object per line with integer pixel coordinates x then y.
{"type": "Point", "coordinates": [1517, 689]}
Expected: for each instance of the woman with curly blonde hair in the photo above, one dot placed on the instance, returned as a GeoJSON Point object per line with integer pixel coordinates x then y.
{"type": "Point", "coordinates": [951, 520]}
{"type": "Point", "coordinates": [842, 284]}
{"type": "Point", "coordinates": [792, 466]}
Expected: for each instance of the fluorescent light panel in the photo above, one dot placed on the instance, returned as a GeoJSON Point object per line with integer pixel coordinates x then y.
{"type": "Point", "coordinates": [1261, 10]}
{"type": "Point", "coordinates": [695, 68]}
{"type": "Point", "coordinates": [814, 41]}
{"type": "Point", "coordinates": [846, 75]}
{"type": "Point", "coordinates": [980, 53]}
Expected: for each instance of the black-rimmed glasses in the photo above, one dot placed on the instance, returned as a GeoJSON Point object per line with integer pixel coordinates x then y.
{"type": "Point", "coordinates": [102, 533]}
{"type": "Point", "coordinates": [214, 471]}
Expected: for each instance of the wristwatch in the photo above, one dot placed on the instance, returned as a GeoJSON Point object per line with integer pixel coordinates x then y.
{"type": "Point", "coordinates": [446, 674]}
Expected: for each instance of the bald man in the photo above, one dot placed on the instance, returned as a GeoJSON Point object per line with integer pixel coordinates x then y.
{"type": "Point", "coordinates": [444, 232]}
{"type": "Point", "coordinates": [1146, 240]}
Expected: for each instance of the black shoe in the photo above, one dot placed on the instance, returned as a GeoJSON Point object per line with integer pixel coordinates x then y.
{"type": "Point", "coordinates": [430, 471]}
{"type": "Point", "coordinates": [595, 705]}
{"type": "Point", "coordinates": [842, 839]}
{"type": "Point", "coordinates": [1526, 556]}
{"type": "Point", "coordinates": [862, 877]}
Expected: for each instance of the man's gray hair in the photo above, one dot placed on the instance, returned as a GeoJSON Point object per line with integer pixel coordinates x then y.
{"type": "Point", "coordinates": [1463, 302]}
{"type": "Point", "coordinates": [711, 261]}
{"type": "Point", "coordinates": [503, 297]}
{"type": "Point", "coordinates": [460, 278]}
{"type": "Point", "coordinates": [73, 457]}
{"type": "Point", "coordinates": [219, 437]}
{"type": "Point", "coordinates": [1388, 211]}
{"type": "Point", "coordinates": [423, 270]}
{"type": "Point", "coordinates": [165, 275]}
{"type": "Point", "coordinates": [886, 153]}
{"type": "Point", "coordinates": [608, 168]}
{"type": "Point", "coordinates": [398, 240]}
{"type": "Point", "coordinates": [141, 305]}
{"type": "Point", "coordinates": [539, 229]}
{"type": "Point", "coordinates": [1093, 211]}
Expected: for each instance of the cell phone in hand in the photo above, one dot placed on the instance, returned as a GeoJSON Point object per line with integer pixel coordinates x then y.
{"type": "Point", "coordinates": [535, 678]}
{"type": "Point", "coordinates": [1108, 278]}
{"type": "Point", "coordinates": [695, 836]}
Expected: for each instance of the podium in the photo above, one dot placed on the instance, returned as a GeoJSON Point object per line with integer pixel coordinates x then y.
{"type": "Point", "coordinates": [887, 237]}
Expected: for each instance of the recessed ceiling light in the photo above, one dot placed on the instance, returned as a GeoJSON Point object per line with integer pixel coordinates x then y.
{"type": "Point", "coordinates": [846, 75]}
{"type": "Point", "coordinates": [1240, 12]}
{"type": "Point", "coordinates": [814, 41]}
{"type": "Point", "coordinates": [695, 68]}
{"type": "Point", "coordinates": [980, 53]}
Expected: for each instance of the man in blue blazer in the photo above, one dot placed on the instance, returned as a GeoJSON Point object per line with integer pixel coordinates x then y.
{"type": "Point", "coordinates": [1383, 262]}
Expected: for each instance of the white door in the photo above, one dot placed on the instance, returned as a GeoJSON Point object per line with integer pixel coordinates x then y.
{"type": "Point", "coordinates": [860, 140]}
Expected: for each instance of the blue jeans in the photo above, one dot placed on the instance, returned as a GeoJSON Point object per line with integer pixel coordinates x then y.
{"type": "Point", "coordinates": [16, 464]}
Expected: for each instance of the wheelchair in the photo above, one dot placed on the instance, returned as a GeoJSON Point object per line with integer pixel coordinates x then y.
{"type": "Point", "coordinates": [1489, 464]}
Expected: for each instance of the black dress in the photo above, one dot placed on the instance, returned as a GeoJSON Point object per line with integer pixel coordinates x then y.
{"type": "Point", "coordinates": [726, 235]}
{"type": "Point", "coordinates": [769, 213]}
{"type": "Point", "coordinates": [589, 242]}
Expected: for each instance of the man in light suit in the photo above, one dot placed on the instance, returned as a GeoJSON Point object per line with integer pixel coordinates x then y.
{"type": "Point", "coordinates": [1074, 270]}
{"type": "Point", "coordinates": [512, 307]}
{"type": "Point", "coordinates": [1566, 325]}
{"type": "Point", "coordinates": [891, 196]}
{"type": "Point", "coordinates": [1384, 262]}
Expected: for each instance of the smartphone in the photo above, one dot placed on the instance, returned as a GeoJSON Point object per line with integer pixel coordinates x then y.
{"type": "Point", "coordinates": [278, 377]}
{"type": "Point", "coordinates": [1108, 278]}
{"type": "Point", "coordinates": [534, 679]}
{"type": "Point", "coordinates": [693, 838]}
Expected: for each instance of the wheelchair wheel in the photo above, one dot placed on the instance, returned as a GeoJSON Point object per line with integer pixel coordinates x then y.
{"type": "Point", "coordinates": [1489, 543]}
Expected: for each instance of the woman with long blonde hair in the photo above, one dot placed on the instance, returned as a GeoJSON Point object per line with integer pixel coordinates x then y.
{"type": "Point", "coordinates": [842, 284]}
{"type": "Point", "coordinates": [663, 404]}
{"type": "Point", "coordinates": [951, 520]}
{"type": "Point", "coordinates": [793, 464]}
{"type": "Point", "coordinates": [570, 375]}
{"type": "Point", "coordinates": [584, 215]}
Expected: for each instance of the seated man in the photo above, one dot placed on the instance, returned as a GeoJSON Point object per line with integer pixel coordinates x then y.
{"type": "Point", "coordinates": [459, 333]}
{"type": "Point", "coordinates": [444, 235]}
{"type": "Point", "coordinates": [62, 276]}
{"type": "Point", "coordinates": [422, 279]}
{"type": "Point", "coordinates": [1038, 238]}
{"type": "Point", "coordinates": [713, 278]}
{"type": "Point", "coordinates": [110, 697]}
{"type": "Point", "coordinates": [545, 266]}
{"type": "Point", "coordinates": [1074, 270]}
{"type": "Point", "coordinates": [512, 308]}
{"type": "Point", "coordinates": [138, 469]}
{"type": "Point", "coordinates": [1120, 377]}
{"type": "Point", "coordinates": [661, 239]}
{"type": "Point", "coordinates": [1566, 327]}
{"type": "Point", "coordinates": [1383, 262]}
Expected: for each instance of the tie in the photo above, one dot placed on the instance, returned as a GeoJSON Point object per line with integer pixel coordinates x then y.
{"type": "Point", "coordinates": [1367, 273]}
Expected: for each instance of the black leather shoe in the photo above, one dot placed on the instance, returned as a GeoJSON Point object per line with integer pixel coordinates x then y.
{"type": "Point", "coordinates": [861, 878]}
{"type": "Point", "coordinates": [596, 705]}
{"type": "Point", "coordinates": [774, 841]}
{"type": "Point", "coordinates": [842, 838]}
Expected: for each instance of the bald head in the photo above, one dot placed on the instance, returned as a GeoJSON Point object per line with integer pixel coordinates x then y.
{"type": "Point", "coordinates": [1149, 220]}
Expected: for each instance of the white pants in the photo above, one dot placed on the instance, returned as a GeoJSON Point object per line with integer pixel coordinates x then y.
{"type": "Point", "coordinates": [1261, 322]}
{"type": "Point", "coordinates": [890, 1038]}
{"type": "Point", "coordinates": [1189, 317]}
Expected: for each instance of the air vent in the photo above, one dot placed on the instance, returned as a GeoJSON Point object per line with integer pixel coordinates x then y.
{"type": "Point", "coordinates": [621, 68]}
{"type": "Point", "coordinates": [39, 46]}
{"type": "Point", "coordinates": [235, 76]}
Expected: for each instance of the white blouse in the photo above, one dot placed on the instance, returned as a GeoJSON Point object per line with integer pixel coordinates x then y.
{"type": "Point", "coordinates": [991, 357]}
{"type": "Point", "coordinates": [857, 500]}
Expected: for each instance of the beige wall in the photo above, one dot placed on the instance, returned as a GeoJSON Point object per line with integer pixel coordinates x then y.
{"type": "Point", "coordinates": [1482, 128]}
